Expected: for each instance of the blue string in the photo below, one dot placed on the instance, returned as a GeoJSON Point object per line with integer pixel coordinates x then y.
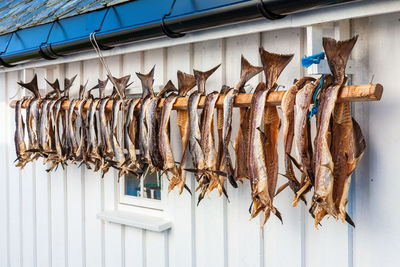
{"type": "Point", "coordinates": [315, 98]}
{"type": "Point", "coordinates": [314, 59]}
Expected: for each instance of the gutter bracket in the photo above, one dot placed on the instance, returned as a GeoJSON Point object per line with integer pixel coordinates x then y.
{"type": "Point", "coordinates": [45, 50]}
{"type": "Point", "coordinates": [2, 62]}
{"type": "Point", "coordinates": [268, 14]}
{"type": "Point", "coordinates": [166, 31]}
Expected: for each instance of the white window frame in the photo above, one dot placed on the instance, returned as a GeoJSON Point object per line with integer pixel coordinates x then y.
{"type": "Point", "coordinates": [142, 202]}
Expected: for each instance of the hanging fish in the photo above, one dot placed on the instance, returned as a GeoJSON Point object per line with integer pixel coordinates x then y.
{"type": "Point", "coordinates": [185, 83]}
{"type": "Point", "coordinates": [337, 54]}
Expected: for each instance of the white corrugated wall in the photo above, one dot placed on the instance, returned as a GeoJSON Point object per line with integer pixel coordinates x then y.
{"type": "Point", "coordinates": [49, 219]}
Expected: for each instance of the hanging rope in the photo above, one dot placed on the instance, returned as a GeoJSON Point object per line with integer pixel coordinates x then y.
{"type": "Point", "coordinates": [315, 98]}
{"type": "Point", "coordinates": [314, 59]}
{"type": "Point", "coordinates": [96, 47]}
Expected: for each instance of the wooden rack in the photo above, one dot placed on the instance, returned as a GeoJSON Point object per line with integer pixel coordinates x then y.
{"type": "Point", "coordinates": [350, 93]}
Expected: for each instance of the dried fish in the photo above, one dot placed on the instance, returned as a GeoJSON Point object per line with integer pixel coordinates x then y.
{"type": "Point", "coordinates": [288, 103]}
{"type": "Point", "coordinates": [347, 148]}
{"type": "Point", "coordinates": [20, 147]}
{"type": "Point", "coordinates": [247, 72]}
{"type": "Point", "coordinates": [185, 83]}
{"type": "Point", "coordinates": [337, 54]}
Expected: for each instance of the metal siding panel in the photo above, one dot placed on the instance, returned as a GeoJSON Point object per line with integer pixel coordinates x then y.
{"type": "Point", "coordinates": [134, 254]}
{"type": "Point", "coordinates": [361, 183]}
{"type": "Point", "coordinates": [155, 249]}
{"type": "Point", "coordinates": [4, 177]}
{"type": "Point", "coordinates": [180, 208]}
{"type": "Point", "coordinates": [75, 193]}
{"type": "Point", "coordinates": [93, 187]}
{"type": "Point", "coordinates": [43, 216]}
{"type": "Point", "coordinates": [134, 247]}
{"type": "Point", "coordinates": [14, 184]}
{"type": "Point", "coordinates": [241, 231]}
{"type": "Point", "coordinates": [113, 232]}
{"type": "Point", "coordinates": [58, 200]}
{"type": "Point", "coordinates": [277, 235]}
{"type": "Point", "coordinates": [207, 55]}
{"type": "Point", "coordinates": [28, 197]}
{"type": "Point", "coordinates": [383, 144]}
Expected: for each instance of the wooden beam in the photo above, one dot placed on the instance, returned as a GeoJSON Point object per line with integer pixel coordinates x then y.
{"type": "Point", "coordinates": [351, 93]}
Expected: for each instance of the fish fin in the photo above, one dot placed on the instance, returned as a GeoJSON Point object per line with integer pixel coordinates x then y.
{"type": "Point", "coordinates": [281, 188]}
{"type": "Point", "coordinates": [273, 65]}
{"type": "Point", "coordinates": [232, 181]}
{"type": "Point", "coordinates": [247, 72]}
{"type": "Point", "coordinates": [337, 54]}
{"type": "Point", "coordinates": [191, 170]}
{"type": "Point", "coordinates": [349, 220]}
{"type": "Point", "coordinates": [298, 165]}
{"type": "Point", "coordinates": [276, 212]}
{"type": "Point", "coordinates": [219, 173]}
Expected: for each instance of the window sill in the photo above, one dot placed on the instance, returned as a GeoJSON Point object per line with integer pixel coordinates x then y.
{"type": "Point", "coordinates": [147, 222]}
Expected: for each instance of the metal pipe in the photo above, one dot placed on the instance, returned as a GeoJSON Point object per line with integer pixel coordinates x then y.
{"type": "Point", "coordinates": [236, 13]}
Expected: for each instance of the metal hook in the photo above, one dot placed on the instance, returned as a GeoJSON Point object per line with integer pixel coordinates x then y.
{"type": "Point", "coordinates": [268, 14]}
{"type": "Point", "coordinates": [93, 34]}
{"type": "Point", "coordinates": [166, 31]}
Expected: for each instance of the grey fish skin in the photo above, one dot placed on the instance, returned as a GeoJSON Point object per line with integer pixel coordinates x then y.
{"type": "Point", "coordinates": [58, 142]}
{"type": "Point", "coordinates": [71, 139]}
{"type": "Point", "coordinates": [194, 132]}
{"type": "Point", "coordinates": [119, 156]}
{"type": "Point", "coordinates": [226, 134]}
{"type": "Point", "coordinates": [164, 145]}
{"type": "Point", "coordinates": [92, 148]}
{"type": "Point", "coordinates": [105, 131]}
{"type": "Point", "coordinates": [43, 128]}
{"type": "Point", "coordinates": [153, 130]}
{"type": "Point", "coordinates": [256, 157]}
{"type": "Point", "coordinates": [207, 143]}
{"type": "Point", "coordinates": [81, 114]}
{"type": "Point", "coordinates": [33, 104]}
{"type": "Point", "coordinates": [106, 152]}
{"type": "Point", "coordinates": [20, 147]}
{"type": "Point", "coordinates": [288, 106]}
{"type": "Point", "coordinates": [130, 138]}
{"type": "Point", "coordinates": [144, 131]}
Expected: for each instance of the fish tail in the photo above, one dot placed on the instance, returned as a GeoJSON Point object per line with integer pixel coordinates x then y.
{"type": "Point", "coordinates": [147, 81]}
{"type": "Point", "coordinates": [273, 65]}
{"type": "Point", "coordinates": [185, 83]}
{"type": "Point", "coordinates": [247, 72]}
{"type": "Point", "coordinates": [32, 86]}
{"type": "Point", "coordinates": [337, 54]}
{"type": "Point", "coordinates": [202, 76]}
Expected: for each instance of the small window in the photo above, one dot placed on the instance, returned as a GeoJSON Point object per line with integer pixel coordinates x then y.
{"type": "Point", "coordinates": [148, 187]}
